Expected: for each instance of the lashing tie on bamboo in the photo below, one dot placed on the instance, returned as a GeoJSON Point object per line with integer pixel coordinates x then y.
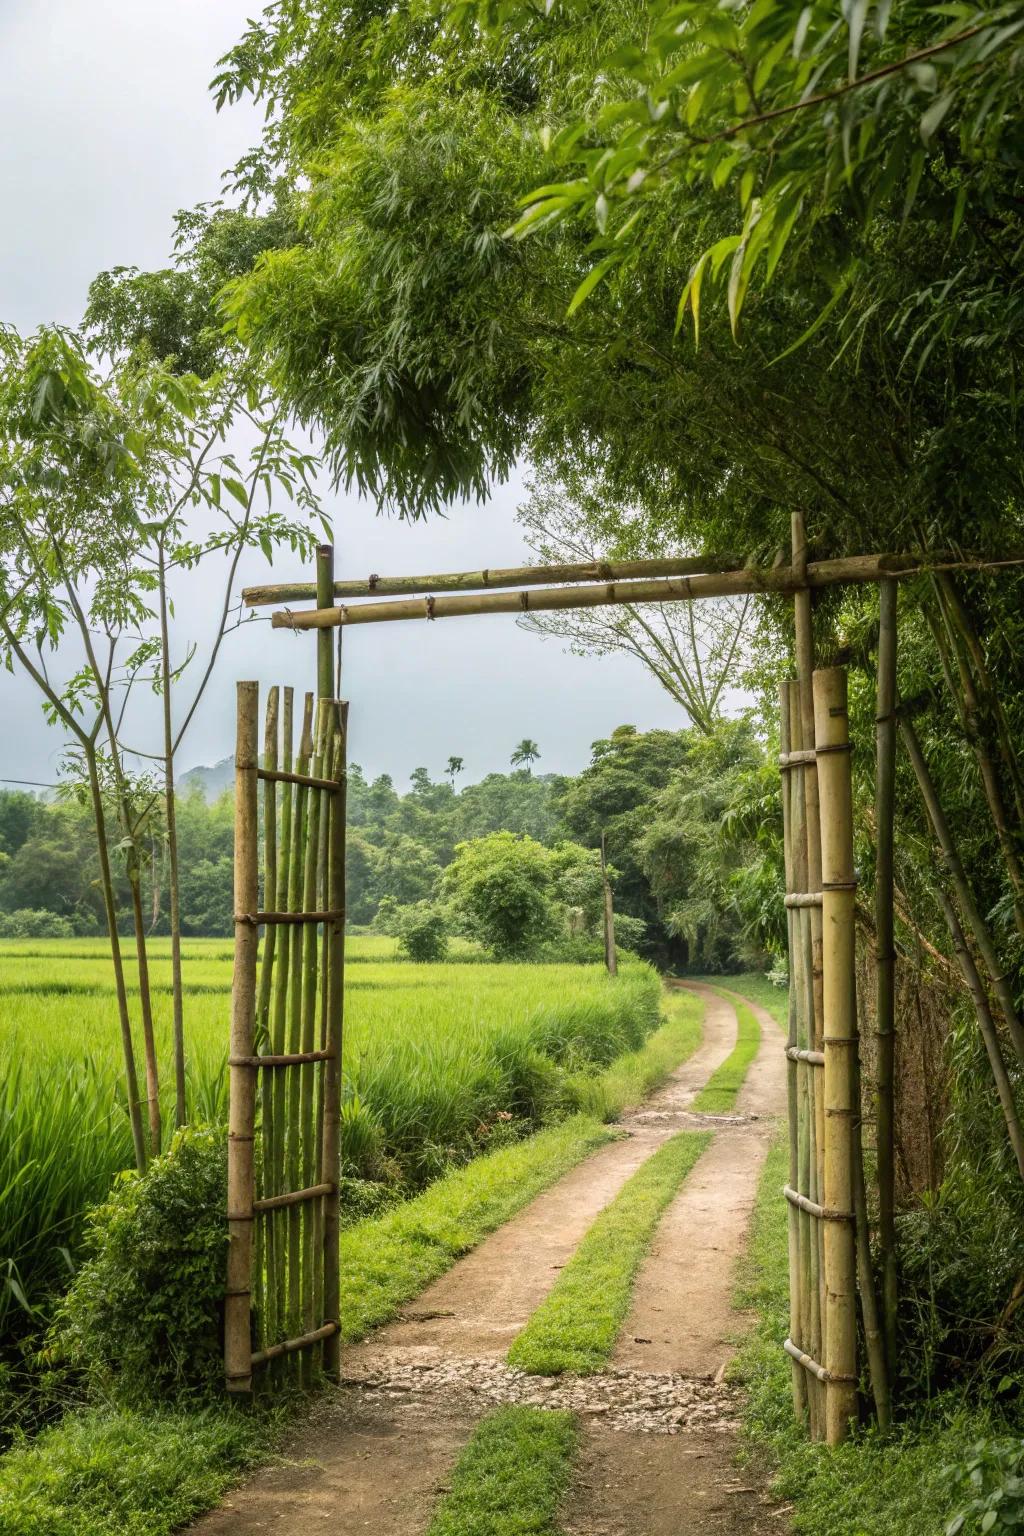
{"type": "Point", "coordinates": [839, 885]}
{"type": "Point", "coordinates": [833, 746]}
{"type": "Point", "coordinates": [430, 604]}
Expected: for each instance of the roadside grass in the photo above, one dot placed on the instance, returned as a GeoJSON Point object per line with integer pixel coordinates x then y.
{"type": "Point", "coordinates": [636, 1074]}
{"type": "Point", "coordinates": [718, 1096]}
{"type": "Point", "coordinates": [111, 1472]}
{"type": "Point", "coordinates": [575, 1327]}
{"type": "Point", "coordinates": [512, 1476]}
{"type": "Point", "coordinates": [870, 1486]}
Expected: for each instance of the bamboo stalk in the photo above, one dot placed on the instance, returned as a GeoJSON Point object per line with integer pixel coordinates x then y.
{"type": "Point", "coordinates": [874, 1336]}
{"type": "Point", "coordinates": [610, 960]}
{"type": "Point", "coordinates": [324, 594]}
{"type": "Point", "coordinates": [885, 958]}
{"type": "Point", "coordinates": [799, 1382]}
{"type": "Point", "coordinates": [331, 1161]}
{"type": "Point", "coordinates": [278, 1031]}
{"type": "Point", "coordinates": [310, 992]}
{"type": "Point", "coordinates": [288, 1346]}
{"type": "Point", "coordinates": [242, 1110]}
{"type": "Point", "coordinates": [850, 570]}
{"type": "Point", "coordinates": [965, 894]}
{"type": "Point", "coordinates": [268, 1310]}
{"type": "Point", "coordinates": [987, 1026]}
{"type": "Point", "coordinates": [296, 1001]}
{"type": "Point", "coordinates": [472, 581]}
{"type": "Point", "coordinates": [804, 740]}
{"type": "Point", "coordinates": [840, 1043]}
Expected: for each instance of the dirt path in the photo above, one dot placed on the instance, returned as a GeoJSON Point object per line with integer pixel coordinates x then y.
{"type": "Point", "coordinates": [682, 1321]}
{"type": "Point", "coordinates": [376, 1453]}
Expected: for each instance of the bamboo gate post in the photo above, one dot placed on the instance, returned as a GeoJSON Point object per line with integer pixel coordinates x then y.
{"type": "Point", "coordinates": [282, 1293]}
{"type": "Point", "coordinates": [885, 958]}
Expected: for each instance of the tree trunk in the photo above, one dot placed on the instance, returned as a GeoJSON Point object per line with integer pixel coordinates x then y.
{"type": "Point", "coordinates": [174, 886]}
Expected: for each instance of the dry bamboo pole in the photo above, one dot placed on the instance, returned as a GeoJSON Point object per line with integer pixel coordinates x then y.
{"type": "Point", "coordinates": [808, 1184]}
{"type": "Point", "coordinates": [965, 894]}
{"type": "Point", "coordinates": [874, 1336]}
{"type": "Point", "coordinates": [885, 958]}
{"type": "Point", "coordinates": [474, 581]}
{"type": "Point", "coordinates": [610, 960]}
{"type": "Point", "coordinates": [297, 938]}
{"type": "Point", "coordinates": [854, 568]}
{"type": "Point", "coordinates": [838, 888]}
{"type": "Point", "coordinates": [330, 765]}
{"type": "Point", "coordinates": [331, 1160]}
{"type": "Point", "coordinates": [796, 1333]}
{"type": "Point", "coordinates": [307, 1072]}
{"type": "Point", "coordinates": [987, 1026]}
{"type": "Point", "coordinates": [324, 594]}
{"type": "Point", "coordinates": [850, 570]}
{"type": "Point", "coordinates": [279, 1025]}
{"type": "Point", "coordinates": [268, 1311]}
{"type": "Point", "coordinates": [804, 737]}
{"type": "Point", "coordinates": [242, 1111]}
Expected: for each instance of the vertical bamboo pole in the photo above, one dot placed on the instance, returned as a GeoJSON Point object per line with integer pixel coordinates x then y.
{"type": "Point", "coordinates": [307, 1042]}
{"type": "Point", "coordinates": [293, 1138]}
{"type": "Point", "coordinates": [610, 960]}
{"type": "Point", "coordinates": [268, 1311]}
{"type": "Point", "coordinates": [324, 639]}
{"type": "Point", "coordinates": [807, 1090]}
{"type": "Point", "coordinates": [796, 1331]}
{"type": "Point", "coordinates": [276, 1220]}
{"type": "Point", "coordinates": [803, 624]}
{"type": "Point", "coordinates": [840, 1044]}
{"type": "Point", "coordinates": [242, 1107]}
{"type": "Point", "coordinates": [885, 957]}
{"type": "Point", "coordinates": [332, 1067]}
{"type": "Point", "coordinates": [329, 772]}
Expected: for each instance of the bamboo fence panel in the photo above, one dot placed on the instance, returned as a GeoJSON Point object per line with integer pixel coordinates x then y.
{"type": "Point", "coordinates": [281, 1305]}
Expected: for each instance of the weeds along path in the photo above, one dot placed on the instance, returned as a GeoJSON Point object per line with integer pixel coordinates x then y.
{"type": "Point", "coordinates": [379, 1453]}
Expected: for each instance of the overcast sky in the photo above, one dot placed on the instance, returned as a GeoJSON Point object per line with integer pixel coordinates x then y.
{"type": "Point", "coordinates": [106, 128]}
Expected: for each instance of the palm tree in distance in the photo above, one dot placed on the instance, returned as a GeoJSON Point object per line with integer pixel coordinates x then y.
{"type": "Point", "coordinates": [455, 766]}
{"type": "Point", "coordinates": [526, 754]}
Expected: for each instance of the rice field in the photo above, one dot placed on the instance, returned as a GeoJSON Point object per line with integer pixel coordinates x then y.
{"type": "Point", "coordinates": [440, 1061]}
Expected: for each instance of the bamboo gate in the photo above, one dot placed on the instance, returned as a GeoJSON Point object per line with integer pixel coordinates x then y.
{"type": "Point", "coordinates": [282, 1296]}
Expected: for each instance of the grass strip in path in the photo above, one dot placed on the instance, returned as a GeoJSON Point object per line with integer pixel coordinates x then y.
{"type": "Point", "coordinates": [718, 1096]}
{"type": "Point", "coordinates": [512, 1476]}
{"type": "Point", "coordinates": [575, 1327]}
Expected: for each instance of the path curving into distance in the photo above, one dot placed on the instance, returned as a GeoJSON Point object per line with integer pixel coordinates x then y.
{"type": "Point", "coordinates": [658, 1448]}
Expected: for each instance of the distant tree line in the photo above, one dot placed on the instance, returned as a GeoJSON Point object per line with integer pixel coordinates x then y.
{"type": "Point", "coordinates": [689, 818]}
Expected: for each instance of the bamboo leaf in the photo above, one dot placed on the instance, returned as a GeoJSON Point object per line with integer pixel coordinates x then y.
{"type": "Point", "coordinates": [591, 281]}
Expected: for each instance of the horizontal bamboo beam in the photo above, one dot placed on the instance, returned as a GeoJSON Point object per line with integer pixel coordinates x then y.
{"type": "Point", "coordinates": [289, 1346]}
{"type": "Point", "coordinates": [508, 576]}
{"type": "Point", "coordinates": [294, 1197]}
{"type": "Point", "coordinates": [804, 1203]}
{"type": "Point", "coordinates": [813, 1058]}
{"type": "Point", "coordinates": [850, 570]}
{"type": "Point", "coordinates": [294, 1059]}
{"type": "Point", "coordinates": [280, 776]}
{"type": "Point", "coordinates": [802, 899]}
{"type": "Point", "coordinates": [259, 919]}
{"type": "Point", "coordinates": [806, 1361]}
{"type": "Point", "coordinates": [798, 759]}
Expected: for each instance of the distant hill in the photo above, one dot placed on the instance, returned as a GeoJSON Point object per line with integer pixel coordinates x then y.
{"type": "Point", "coordinates": [212, 781]}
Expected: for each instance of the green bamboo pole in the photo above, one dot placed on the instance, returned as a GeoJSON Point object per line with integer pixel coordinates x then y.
{"type": "Point", "coordinates": [330, 770]}
{"type": "Point", "coordinates": [293, 1153]}
{"type": "Point", "coordinates": [306, 1073]}
{"type": "Point", "coordinates": [242, 1101]}
{"type": "Point", "coordinates": [885, 958]}
{"type": "Point", "coordinates": [331, 1162]}
{"type": "Point", "coordinates": [279, 1024]}
{"type": "Point", "coordinates": [796, 1330]}
{"type": "Point", "coordinates": [265, 1228]}
{"type": "Point", "coordinates": [840, 1043]}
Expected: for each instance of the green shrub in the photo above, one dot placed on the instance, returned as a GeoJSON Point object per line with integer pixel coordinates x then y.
{"type": "Point", "coordinates": [35, 923]}
{"type": "Point", "coordinates": [143, 1318]}
{"type": "Point", "coordinates": [422, 932]}
{"type": "Point", "coordinates": [990, 1482]}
